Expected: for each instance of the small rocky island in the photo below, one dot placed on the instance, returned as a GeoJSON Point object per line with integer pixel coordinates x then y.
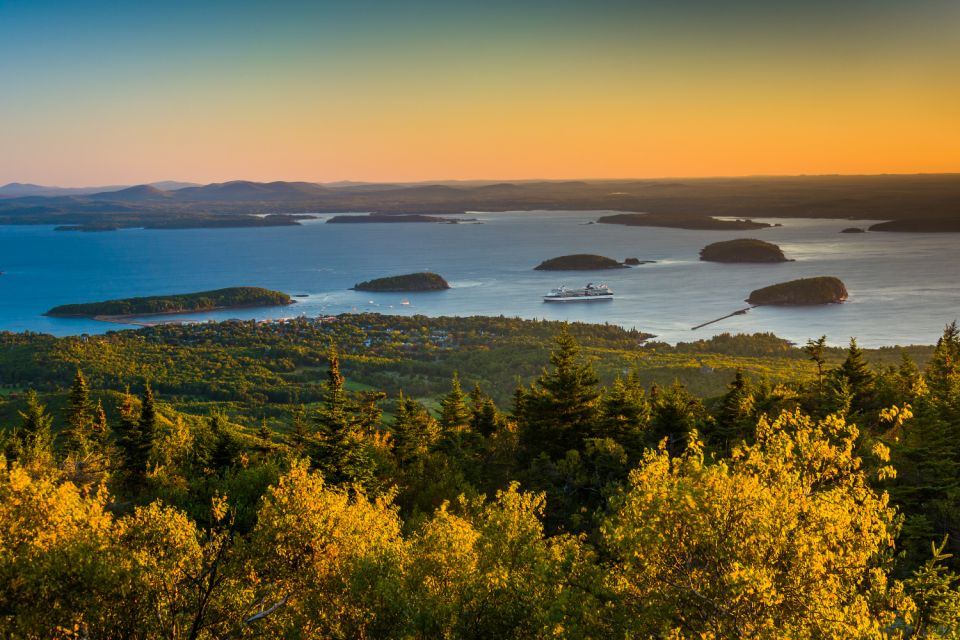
{"type": "Point", "coordinates": [853, 230]}
{"type": "Point", "coordinates": [579, 262]}
{"type": "Point", "coordinates": [742, 250]}
{"type": "Point", "coordinates": [681, 221]}
{"type": "Point", "coordinates": [215, 300]}
{"type": "Point", "coordinates": [423, 281]}
{"type": "Point", "coordinates": [806, 291]}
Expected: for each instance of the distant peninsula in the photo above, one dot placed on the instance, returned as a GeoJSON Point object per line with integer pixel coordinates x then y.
{"type": "Point", "coordinates": [390, 217]}
{"type": "Point", "coordinates": [742, 250]}
{"type": "Point", "coordinates": [162, 221]}
{"type": "Point", "coordinates": [423, 281]}
{"type": "Point", "coordinates": [681, 221]}
{"type": "Point", "coordinates": [920, 225]}
{"type": "Point", "coordinates": [579, 262]}
{"type": "Point", "coordinates": [216, 300]}
{"type": "Point", "coordinates": [806, 291]}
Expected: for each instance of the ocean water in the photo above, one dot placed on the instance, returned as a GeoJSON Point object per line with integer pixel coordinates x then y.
{"type": "Point", "coordinates": [903, 287]}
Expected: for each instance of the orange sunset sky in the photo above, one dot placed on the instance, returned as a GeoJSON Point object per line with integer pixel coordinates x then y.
{"type": "Point", "coordinates": [102, 94]}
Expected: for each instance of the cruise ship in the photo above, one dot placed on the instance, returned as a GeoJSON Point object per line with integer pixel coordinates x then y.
{"type": "Point", "coordinates": [590, 293]}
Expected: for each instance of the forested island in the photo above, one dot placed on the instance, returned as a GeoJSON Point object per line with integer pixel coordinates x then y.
{"type": "Point", "coordinates": [579, 262]}
{"type": "Point", "coordinates": [373, 476]}
{"type": "Point", "coordinates": [805, 291]}
{"type": "Point", "coordinates": [742, 250]}
{"type": "Point", "coordinates": [920, 225]}
{"type": "Point", "coordinates": [423, 281]}
{"type": "Point", "coordinates": [215, 300]}
{"type": "Point", "coordinates": [681, 221]}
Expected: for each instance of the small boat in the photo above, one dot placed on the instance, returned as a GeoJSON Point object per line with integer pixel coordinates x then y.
{"type": "Point", "coordinates": [405, 302]}
{"type": "Point", "coordinates": [590, 293]}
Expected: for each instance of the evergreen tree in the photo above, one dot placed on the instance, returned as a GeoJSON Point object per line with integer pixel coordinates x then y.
{"type": "Point", "coordinates": [300, 433]}
{"type": "Point", "coordinates": [483, 412]}
{"type": "Point", "coordinates": [264, 438]}
{"type": "Point", "coordinates": [77, 435]}
{"type": "Point", "coordinates": [454, 412]}
{"type": "Point", "coordinates": [99, 429]}
{"type": "Point", "coordinates": [561, 407]}
{"type": "Point", "coordinates": [341, 452]}
{"type": "Point", "coordinates": [35, 435]}
{"type": "Point", "coordinates": [676, 414]}
{"type": "Point", "coordinates": [624, 415]}
{"type": "Point", "coordinates": [414, 432]}
{"type": "Point", "coordinates": [735, 419]}
{"type": "Point", "coordinates": [224, 446]}
{"type": "Point", "coordinates": [859, 376]}
{"type": "Point", "coordinates": [135, 433]}
{"type": "Point", "coordinates": [815, 349]}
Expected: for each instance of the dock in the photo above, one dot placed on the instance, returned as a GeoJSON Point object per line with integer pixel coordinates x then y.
{"type": "Point", "coordinates": [729, 315]}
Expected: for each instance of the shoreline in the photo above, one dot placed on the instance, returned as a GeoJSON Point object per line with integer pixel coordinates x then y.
{"type": "Point", "coordinates": [127, 317]}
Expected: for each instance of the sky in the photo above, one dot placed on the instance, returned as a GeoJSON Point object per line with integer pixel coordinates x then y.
{"type": "Point", "coordinates": [96, 93]}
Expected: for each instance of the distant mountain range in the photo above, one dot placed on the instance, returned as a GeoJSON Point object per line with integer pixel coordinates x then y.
{"type": "Point", "coordinates": [883, 197]}
{"type": "Point", "coordinates": [22, 189]}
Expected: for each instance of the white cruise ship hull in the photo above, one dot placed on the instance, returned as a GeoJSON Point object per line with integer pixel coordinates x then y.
{"type": "Point", "coordinates": [576, 298]}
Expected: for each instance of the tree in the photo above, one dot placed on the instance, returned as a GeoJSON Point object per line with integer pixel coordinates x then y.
{"type": "Point", "coordinates": [734, 420]}
{"type": "Point", "coordinates": [454, 412]}
{"type": "Point", "coordinates": [414, 432]}
{"type": "Point", "coordinates": [341, 452]}
{"type": "Point", "coordinates": [560, 408]}
{"type": "Point", "coordinates": [815, 349]}
{"type": "Point", "coordinates": [135, 443]}
{"type": "Point", "coordinates": [624, 415]}
{"type": "Point", "coordinates": [35, 438]}
{"type": "Point", "coordinates": [787, 539]}
{"type": "Point", "coordinates": [859, 376]}
{"type": "Point", "coordinates": [99, 429]}
{"type": "Point", "coordinates": [78, 435]}
{"type": "Point", "coordinates": [676, 414]}
{"type": "Point", "coordinates": [484, 419]}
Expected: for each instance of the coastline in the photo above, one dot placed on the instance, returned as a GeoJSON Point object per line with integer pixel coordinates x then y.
{"type": "Point", "coordinates": [128, 317]}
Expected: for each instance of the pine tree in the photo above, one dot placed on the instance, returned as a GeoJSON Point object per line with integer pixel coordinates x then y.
{"type": "Point", "coordinates": [454, 412]}
{"type": "Point", "coordinates": [341, 452]}
{"type": "Point", "coordinates": [99, 429]}
{"type": "Point", "coordinates": [860, 377]}
{"type": "Point", "coordinates": [264, 438]}
{"type": "Point", "coordinates": [148, 425]}
{"type": "Point", "coordinates": [624, 415]}
{"type": "Point", "coordinates": [224, 447]}
{"type": "Point", "coordinates": [560, 408]}
{"type": "Point", "coordinates": [136, 432]}
{"type": "Point", "coordinates": [36, 438]}
{"type": "Point", "coordinates": [676, 413]}
{"type": "Point", "coordinates": [414, 431]}
{"type": "Point", "coordinates": [300, 433]}
{"type": "Point", "coordinates": [815, 349]}
{"type": "Point", "coordinates": [734, 418]}
{"type": "Point", "coordinates": [483, 412]}
{"type": "Point", "coordinates": [77, 435]}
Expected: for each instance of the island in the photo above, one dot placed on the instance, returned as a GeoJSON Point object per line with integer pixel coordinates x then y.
{"type": "Point", "coordinates": [390, 217]}
{"type": "Point", "coordinates": [696, 222]}
{"type": "Point", "coordinates": [636, 262]}
{"type": "Point", "coordinates": [742, 250]}
{"type": "Point", "coordinates": [920, 225]}
{"type": "Point", "coordinates": [853, 230]}
{"type": "Point", "coordinates": [216, 300]}
{"type": "Point", "coordinates": [806, 291]}
{"type": "Point", "coordinates": [579, 262]}
{"type": "Point", "coordinates": [423, 281]}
